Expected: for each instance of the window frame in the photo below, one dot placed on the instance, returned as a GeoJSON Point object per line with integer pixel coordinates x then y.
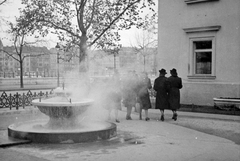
{"type": "Point", "coordinates": [192, 58]}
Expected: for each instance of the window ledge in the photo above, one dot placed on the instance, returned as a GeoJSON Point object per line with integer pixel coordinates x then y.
{"type": "Point", "coordinates": [201, 77]}
{"type": "Point", "coordinates": [197, 1]}
{"type": "Point", "coordinates": [202, 29]}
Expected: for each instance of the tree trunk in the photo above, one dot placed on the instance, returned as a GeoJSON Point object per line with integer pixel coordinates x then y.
{"type": "Point", "coordinates": [21, 74]}
{"type": "Point", "coordinates": [82, 54]}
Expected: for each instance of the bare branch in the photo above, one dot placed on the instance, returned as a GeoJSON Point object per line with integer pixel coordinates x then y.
{"type": "Point", "coordinates": [93, 12]}
{"type": "Point", "coordinates": [9, 54]}
{"type": "Point", "coordinates": [36, 55]}
{"type": "Point", "coordinates": [80, 15]}
{"type": "Point", "coordinates": [60, 28]}
{"type": "Point", "coordinates": [3, 2]}
{"type": "Point", "coordinates": [113, 21]}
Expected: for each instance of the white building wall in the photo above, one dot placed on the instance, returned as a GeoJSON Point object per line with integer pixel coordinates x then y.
{"type": "Point", "coordinates": [174, 50]}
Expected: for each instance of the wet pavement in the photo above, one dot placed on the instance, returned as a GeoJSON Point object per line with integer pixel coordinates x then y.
{"type": "Point", "coordinates": [136, 140]}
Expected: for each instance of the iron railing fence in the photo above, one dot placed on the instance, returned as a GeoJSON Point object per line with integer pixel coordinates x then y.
{"type": "Point", "coordinates": [20, 100]}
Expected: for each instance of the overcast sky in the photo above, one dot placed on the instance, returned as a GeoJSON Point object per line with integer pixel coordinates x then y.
{"type": "Point", "coordinates": [9, 10]}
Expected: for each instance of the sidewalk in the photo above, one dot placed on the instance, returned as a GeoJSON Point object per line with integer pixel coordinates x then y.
{"type": "Point", "coordinates": [137, 140]}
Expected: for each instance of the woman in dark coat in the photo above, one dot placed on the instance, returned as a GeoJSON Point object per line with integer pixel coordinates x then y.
{"type": "Point", "coordinates": [175, 83]}
{"type": "Point", "coordinates": [143, 95]}
{"type": "Point", "coordinates": [161, 87]}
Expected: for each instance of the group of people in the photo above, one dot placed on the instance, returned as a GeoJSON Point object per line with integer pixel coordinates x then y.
{"type": "Point", "coordinates": [135, 90]}
{"type": "Point", "coordinates": [168, 92]}
{"type": "Point", "coordinates": [136, 93]}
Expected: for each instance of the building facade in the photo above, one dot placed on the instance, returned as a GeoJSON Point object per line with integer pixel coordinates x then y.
{"type": "Point", "coordinates": [201, 39]}
{"type": "Point", "coordinates": [9, 67]}
{"type": "Point", "coordinates": [36, 62]}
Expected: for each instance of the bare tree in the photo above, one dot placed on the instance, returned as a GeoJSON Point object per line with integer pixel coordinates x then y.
{"type": "Point", "coordinates": [146, 42]}
{"type": "Point", "coordinates": [113, 50]}
{"type": "Point", "coordinates": [20, 32]}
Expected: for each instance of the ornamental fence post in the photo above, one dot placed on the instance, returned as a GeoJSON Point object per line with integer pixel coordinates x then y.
{"type": "Point", "coordinates": [23, 100]}
{"type": "Point", "coordinates": [10, 101]}
{"type": "Point", "coordinates": [17, 100]}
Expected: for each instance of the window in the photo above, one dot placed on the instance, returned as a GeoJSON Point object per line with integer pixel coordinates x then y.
{"type": "Point", "coordinates": [202, 51]}
{"type": "Point", "coordinates": [202, 56]}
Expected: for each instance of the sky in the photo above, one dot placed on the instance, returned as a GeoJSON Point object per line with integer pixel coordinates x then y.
{"type": "Point", "coordinates": [9, 10]}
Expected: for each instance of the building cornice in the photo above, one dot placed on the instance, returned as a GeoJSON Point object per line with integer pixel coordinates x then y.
{"type": "Point", "coordinates": [202, 77]}
{"type": "Point", "coordinates": [198, 1]}
{"type": "Point", "coordinates": [202, 29]}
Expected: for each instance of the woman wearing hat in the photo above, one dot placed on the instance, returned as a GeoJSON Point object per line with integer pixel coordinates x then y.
{"type": "Point", "coordinates": [175, 83]}
{"type": "Point", "coordinates": [161, 87]}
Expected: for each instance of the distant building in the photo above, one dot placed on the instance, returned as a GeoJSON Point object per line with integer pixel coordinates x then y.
{"type": "Point", "coordinates": [41, 62]}
{"type": "Point", "coordinates": [201, 39]}
{"type": "Point", "coordinates": [36, 62]}
{"type": "Point", "coordinates": [127, 59]}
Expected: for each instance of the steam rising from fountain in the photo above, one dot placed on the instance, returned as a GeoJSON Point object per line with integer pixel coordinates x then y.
{"type": "Point", "coordinates": [67, 122]}
{"type": "Point", "coordinates": [62, 110]}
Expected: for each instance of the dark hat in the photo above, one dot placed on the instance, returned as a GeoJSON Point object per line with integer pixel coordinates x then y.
{"type": "Point", "coordinates": [163, 71]}
{"type": "Point", "coordinates": [173, 71]}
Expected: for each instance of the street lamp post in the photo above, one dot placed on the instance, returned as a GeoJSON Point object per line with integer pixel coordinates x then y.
{"type": "Point", "coordinates": [115, 67]}
{"type": "Point", "coordinates": [115, 53]}
{"type": "Point", "coordinates": [144, 62]}
{"type": "Point", "coordinates": [57, 47]}
{"type": "Point", "coordinates": [58, 69]}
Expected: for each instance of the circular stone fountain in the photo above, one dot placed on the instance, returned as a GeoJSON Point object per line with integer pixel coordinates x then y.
{"type": "Point", "coordinates": [65, 124]}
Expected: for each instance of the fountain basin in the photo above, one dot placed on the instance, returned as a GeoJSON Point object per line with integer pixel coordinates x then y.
{"type": "Point", "coordinates": [63, 114]}
{"type": "Point", "coordinates": [65, 123]}
{"type": "Point", "coordinates": [33, 131]}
